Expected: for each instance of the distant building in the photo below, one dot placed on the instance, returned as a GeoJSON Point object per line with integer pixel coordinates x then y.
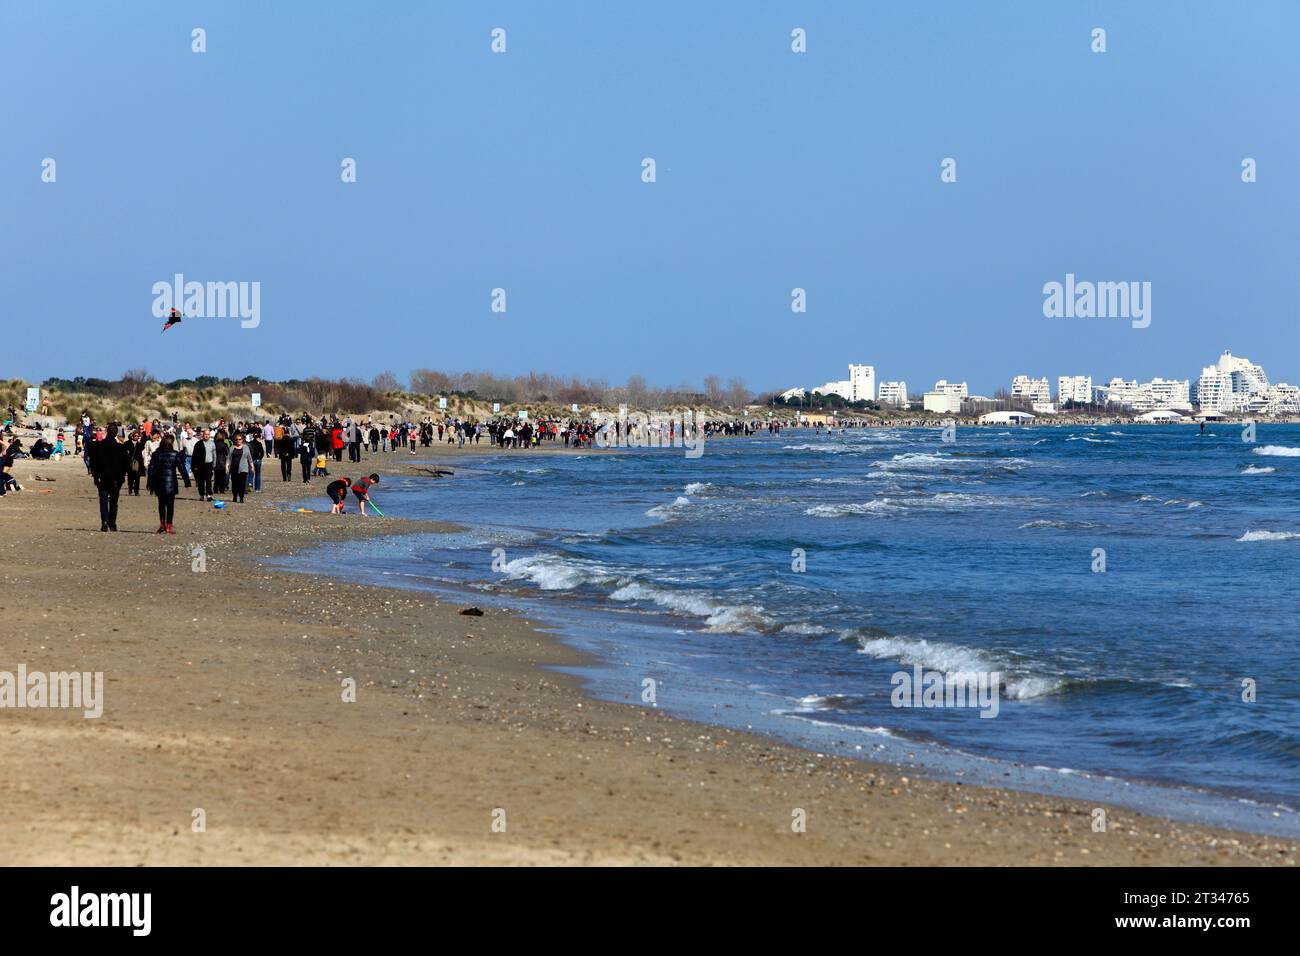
{"type": "Point", "coordinates": [1145, 396]}
{"type": "Point", "coordinates": [792, 393]}
{"type": "Point", "coordinates": [1236, 384]}
{"type": "Point", "coordinates": [1034, 389]}
{"type": "Point", "coordinates": [1006, 418]}
{"type": "Point", "coordinates": [892, 393]}
{"type": "Point", "coordinates": [942, 403]}
{"type": "Point", "coordinates": [1074, 388]}
{"type": "Point", "coordinates": [951, 388]}
{"type": "Point", "coordinates": [860, 386]}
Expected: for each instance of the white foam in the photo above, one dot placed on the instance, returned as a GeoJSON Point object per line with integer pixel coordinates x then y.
{"type": "Point", "coordinates": [1256, 470]}
{"type": "Point", "coordinates": [550, 572]}
{"type": "Point", "coordinates": [1278, 451]}
{"type": "Point", "coordinates": [878, 507]}
{"type": "Point", "coordinates": [1269, 536]}
{"type": "Point", "coordinates": [955, 659]}
{"type": "Point", "coordinates": [670, 511]}
{"type": "Point", "coordinates": [720, 618]}
{"type": "Point", "coordinates": [699, 487]}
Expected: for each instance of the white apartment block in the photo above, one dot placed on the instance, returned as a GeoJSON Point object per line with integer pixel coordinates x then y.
{"type": "Point", "coordinates": [1074, 388]}
{"type": "Point", "coordinates": [1146, 396]}
{"type": "Point", "coordinates": [892, 393]}
{"type": "Point", "coordinates": [1034, 389]}
{"type": "Point", "coordinates": [942, 402]}
{"type": "Point", "coordinates": [860, 386]}
{"type": "Point", "coordinates": [945, 387]}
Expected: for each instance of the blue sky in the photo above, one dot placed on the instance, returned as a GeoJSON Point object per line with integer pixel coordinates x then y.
{"type": "Point", "coordinates": [775, 170]}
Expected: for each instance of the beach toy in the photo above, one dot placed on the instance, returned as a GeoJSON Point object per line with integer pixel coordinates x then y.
{"type": "Point", "coordinates": [303, 511]}
{"type": "Point", "coordinates": [219, 505]}
{"type": "Point", "coordinates": [376, 507]}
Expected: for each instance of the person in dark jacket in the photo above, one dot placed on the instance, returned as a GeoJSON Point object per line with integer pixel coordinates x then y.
{"type": "Point", "coordinates": [307, 448]}
{"type": "Point", "coordinates": [164, 466]}
{"type": "Point", "coordinates": [258, 452]}
{"type": "Point", "coordinates": [135, 467]}
{"type": "Point", "coordinates": [109, 460]}
{"type": "Point", "coordinates": [205, 456]}
{"type": "Point", "coordinates": [285, 452]}
{"type": "Point", "coordinates": [221, 467]}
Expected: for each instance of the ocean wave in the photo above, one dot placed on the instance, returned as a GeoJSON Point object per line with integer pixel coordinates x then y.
{"type": "Point", "coordinates": [1058, 524]}
{"type": "Point", "coordinates": [818, 703]}
{"type": "Point", "coordinates": [553, 572]}
{"type": "Point", "coordinates": [1270, 536]}
{"type": "Point", "coordinates": [878, 507]}
{"type": "Point", "coordinates": [670, 511]}
{"type": "Point", "coordinates": [956, 659]}
{"type": "Point", "coordinates": [1257, 470]}
{"type": "Point", "coordinates": [699, 487]}
{"type": "Point", "coordinates": [720, 617]}
{"type": "Point", "coordinates": [812, 630]}
{"type": "Point", "coordinates": [945, 501]}
{"type": "Point", "coordinates": [1278, 451]}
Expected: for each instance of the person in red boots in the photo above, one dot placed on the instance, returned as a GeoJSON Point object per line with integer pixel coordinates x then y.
{"type": "Point", "coordinates": [164, 466]}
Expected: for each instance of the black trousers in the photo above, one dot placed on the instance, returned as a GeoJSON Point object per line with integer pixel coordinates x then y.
{"type": "Point", "coordinates": [133, 482]}
{"type": "Point", "coordinates": [108, 504]}
{"type": "Point", "coordinates": [239, 484]}
{"type": "Point", "coordinates": [203, 478]}
{"type": "Point", "coordinates": [306, 466]}
{"type": "Point", "coordinates": [286, 468]}
{"type": "Point", "coordinates": [166, 508]}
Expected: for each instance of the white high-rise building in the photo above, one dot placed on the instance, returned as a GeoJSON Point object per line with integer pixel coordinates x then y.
{"type": "Point", "coordinates": [862, 379]}
{"type": "Point", "coordinates": [1170, 393]}
{"type": "Point", "coordinates": [892, 393]}
{"type": "Point", "coordinates": [946, 387]}
{"type": "Point", "coordinates": [1214, 390]}
{"type": "Point", "coordinates": [1034, 389]}
{"type": "Point", "coordinates": [1074, 388]}
{"type": "Point", "coordinates": [860, 386]}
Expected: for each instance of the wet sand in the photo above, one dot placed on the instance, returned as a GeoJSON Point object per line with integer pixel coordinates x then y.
{"type": "Point", "coordinates": [224, 693]}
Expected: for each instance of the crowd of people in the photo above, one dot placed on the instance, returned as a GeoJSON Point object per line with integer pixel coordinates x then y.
{"type": "Point", "coordinates": [227, 459]}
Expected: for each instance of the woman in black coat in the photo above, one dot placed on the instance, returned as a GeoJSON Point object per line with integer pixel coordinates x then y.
{"type": "Point", "coordinates": [164, 466]}
{"type": "Point", "coordinates": [135, 468]}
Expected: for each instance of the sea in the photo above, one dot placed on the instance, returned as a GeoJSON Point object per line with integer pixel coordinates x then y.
{"type": "Point", "coordinates": [1134, 589]}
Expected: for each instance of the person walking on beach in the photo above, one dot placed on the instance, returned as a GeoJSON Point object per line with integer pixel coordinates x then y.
{"type": "Point", "coordinates": [307, 448]}
{"type": "Point", "coordinates": [220, 465]}
{"type": "Point", "coordinates": [135, 467]}
{"type": "Point", "coordinates": [256, 449]}
{"type": "Point", "coordinates": [110, 459]}
{"type": "Point", "coordinates": [284, 450]}
{"type": "Point", "coordinates": [164, 467]}
{"type": "Point", "coordinates": [239, 468]}
{"type": "Point", "coordinates": [204, 458]}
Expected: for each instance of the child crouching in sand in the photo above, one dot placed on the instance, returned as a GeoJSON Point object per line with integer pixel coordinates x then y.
{"type": "Point", "coordinates": [337, 491]}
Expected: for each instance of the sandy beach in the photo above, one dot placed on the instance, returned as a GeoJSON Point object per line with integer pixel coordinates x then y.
{"type": "Point", "coordinates": [223, 694]}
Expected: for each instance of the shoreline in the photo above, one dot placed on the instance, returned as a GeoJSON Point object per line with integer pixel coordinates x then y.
{"type": "Point", "coordinates": [412, 773]}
